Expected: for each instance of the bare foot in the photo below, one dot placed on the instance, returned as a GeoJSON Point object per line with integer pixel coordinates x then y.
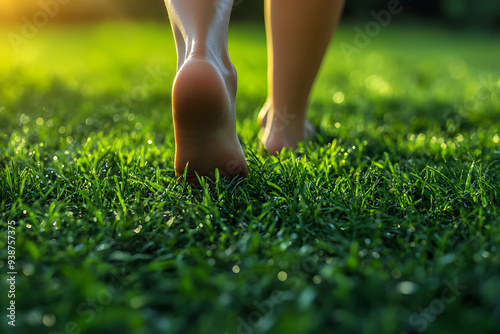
{"type": "Point", "coordinates": [203, 100]}
{"type": "Point", "coordinates": [285, 132]}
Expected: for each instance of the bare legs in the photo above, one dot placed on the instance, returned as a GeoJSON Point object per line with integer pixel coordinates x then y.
{"type": "Point", "coordinates": [298, 34]}
{"type": "Point", "coordinates": [204, 90]}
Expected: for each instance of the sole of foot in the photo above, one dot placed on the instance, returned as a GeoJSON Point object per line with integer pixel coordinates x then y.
{"type": "Point", "coordinates": [205, 123]}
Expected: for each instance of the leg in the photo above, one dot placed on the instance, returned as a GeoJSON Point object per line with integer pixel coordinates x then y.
{"type": "Point", "coordinates": [204, 91]}
{"type": "Point", "coordinates": [298, 34]}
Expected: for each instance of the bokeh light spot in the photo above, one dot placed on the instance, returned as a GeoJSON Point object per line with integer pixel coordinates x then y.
{"type": "Point", "coordinates": [338, 97]}
{"type": "Point", "coordinates": [49, 320]}
{"type": "Point", "coordinates": [406, 288]}
{"type": "Point", "coordinates": [282, 276]}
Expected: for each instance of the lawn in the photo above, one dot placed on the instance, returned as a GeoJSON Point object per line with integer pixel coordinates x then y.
{"type": "Point", "coordinates": [387, 223]}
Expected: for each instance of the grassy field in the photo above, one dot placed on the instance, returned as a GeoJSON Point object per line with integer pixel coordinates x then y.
{"type": "Point", "coordinates": [388, 223]}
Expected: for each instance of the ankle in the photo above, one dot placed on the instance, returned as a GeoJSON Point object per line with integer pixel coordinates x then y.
{"type": "Point", "coordinates": [288, 122]}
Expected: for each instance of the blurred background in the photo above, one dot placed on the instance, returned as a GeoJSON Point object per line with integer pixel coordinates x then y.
{"type": "Point", "coordinates": [480, 14]}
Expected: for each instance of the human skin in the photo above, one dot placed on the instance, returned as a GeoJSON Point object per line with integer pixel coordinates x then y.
{"type": "Point", "coordinates": [204, 90]}
{"type": "Point", "coordinates": [298, 35]}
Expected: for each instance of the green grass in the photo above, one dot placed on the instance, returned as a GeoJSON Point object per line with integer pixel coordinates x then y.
{"type": "Point", "coordinates": [363, 231]}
